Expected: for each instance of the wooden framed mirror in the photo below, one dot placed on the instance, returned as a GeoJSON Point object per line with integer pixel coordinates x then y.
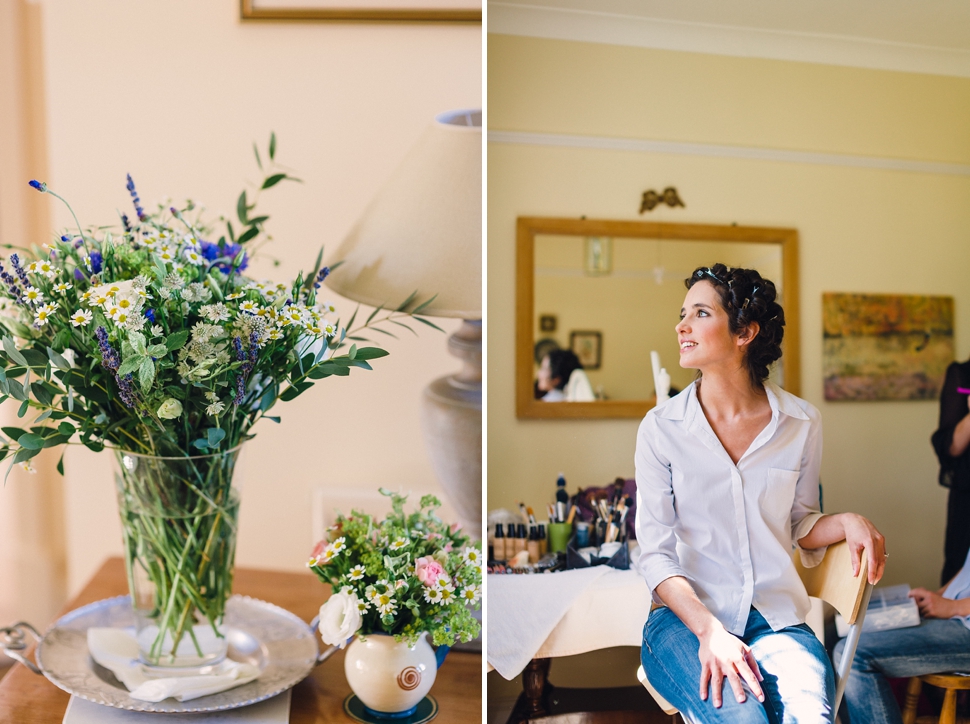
{"type": "Point", "coordinates": [612, 292]}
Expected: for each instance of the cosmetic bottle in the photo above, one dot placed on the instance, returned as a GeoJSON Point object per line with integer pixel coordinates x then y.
{"type": "Point", "coordinates": [543, 541]}
{"type": "Point", "coordinates": [520, 538]}
{"type": "Point", "coordinates": [498, 543]}
{"type": "Point", "coordinates": [533, 544]}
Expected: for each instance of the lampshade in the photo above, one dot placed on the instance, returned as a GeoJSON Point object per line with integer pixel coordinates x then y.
{"type": "Point", "coordinates": [423, 230]}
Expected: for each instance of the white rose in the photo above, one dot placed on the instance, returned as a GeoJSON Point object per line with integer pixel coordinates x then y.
{"type": "Point", "coordinates": [339, 618]}
{"type": "Point", "coordinates": [170, 409]}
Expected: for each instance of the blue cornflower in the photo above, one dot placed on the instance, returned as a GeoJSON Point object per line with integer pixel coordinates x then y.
{"type": "Point", "coordinates": [97, 262]}
{"type": "Point", "coordinates": [34, 184]}
{"type": "Point", "coordinates": [134, 197]}
{"type": "Point", "coordinates": [78, 274]}
{"type": "Point", "coordinates": [66, 238]}
{"type": "Point", "coordinates": [150, 314]}
{"type": "Point", "coordinates": [209, 250]}
{"type": "Point", "coordinates": [125, 222]}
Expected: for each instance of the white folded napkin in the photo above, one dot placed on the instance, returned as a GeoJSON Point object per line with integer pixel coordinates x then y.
{"type": "Point", "coordinates": [117, 650]}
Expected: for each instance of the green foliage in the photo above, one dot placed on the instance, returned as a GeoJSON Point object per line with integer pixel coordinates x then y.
{"type": "Point", "coordinates": [179, 323]}
{"type": "Point", "coordinates": [383, 562]}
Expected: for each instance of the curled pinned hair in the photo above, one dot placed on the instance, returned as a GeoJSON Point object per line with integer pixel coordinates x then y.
{"type": "Point", "coordinates": [747, 298]}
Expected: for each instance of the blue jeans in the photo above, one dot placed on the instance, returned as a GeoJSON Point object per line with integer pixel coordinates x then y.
{"type": "Point", "coordinates": [799, 684]}
{"type": "Point", "coordinates": [935, 645]}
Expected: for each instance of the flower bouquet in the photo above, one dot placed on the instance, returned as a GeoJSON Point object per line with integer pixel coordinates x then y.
{"type": "Point", "coordinates": [393, 582]}
{"type": "Point", "coordinates": [149, 339]}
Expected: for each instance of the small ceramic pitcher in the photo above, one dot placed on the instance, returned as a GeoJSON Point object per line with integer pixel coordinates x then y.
{"type": "Point", "coordinates": [391, 678]}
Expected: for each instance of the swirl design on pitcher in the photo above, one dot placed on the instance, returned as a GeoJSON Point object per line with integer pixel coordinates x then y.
{"type": "Point", "coordinates": [409, 679]}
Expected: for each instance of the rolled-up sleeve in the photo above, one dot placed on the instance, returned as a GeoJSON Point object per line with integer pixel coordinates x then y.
{"type": "Point", "coordinates": [656, 513]}
{"type": "Point", "coordinates": [805, 508]}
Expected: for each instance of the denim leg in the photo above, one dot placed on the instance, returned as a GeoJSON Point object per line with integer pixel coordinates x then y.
{"type": "Point", "coordinates": [799, 682]}
{"type": "Point", "coordinates": [936, 645]}
{"type": "Point", "coordinates": [669, 658]}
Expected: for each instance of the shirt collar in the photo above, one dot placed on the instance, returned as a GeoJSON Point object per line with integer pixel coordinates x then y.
{"type": "Point", "coordinates": [684, 405]}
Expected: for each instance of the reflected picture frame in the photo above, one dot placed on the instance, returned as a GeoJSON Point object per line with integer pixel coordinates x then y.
{"type": "Point", "coordinates": [588, 348]}
{"type": "Point", "coordinates": [462, 11]}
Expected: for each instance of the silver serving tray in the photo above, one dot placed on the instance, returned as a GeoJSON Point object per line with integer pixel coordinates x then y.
{"type": "Point", "coordinates": [277, 642]}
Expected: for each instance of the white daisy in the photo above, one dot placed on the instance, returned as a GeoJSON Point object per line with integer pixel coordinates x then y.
{"type": "Point", "coordinates": [399, 544]}
{"type": "Point", "coordinates": [234, 295]}
{"type": "Point", "coordinates": [63, 287]}
{"type": "Point", "coordinates": [46, 268]}
{"type": "Point", "coordinates": [356, 573]}
{"type": "Point", "coordinates": [249, 306]}
{"type": "Point", "coordinates": [444, 583]}
{"type": "Point", "coordinates": [471, 593]}
{"type": "Point", "coordinates": [472, 556]}
{"type": "Point", "coordinates": [447, 595]}
{"type": "Point", "coordinates": [339, 544]}
{"type": "Point", "coordinates": [362, 605]}
{"type": "Point", "coordinates": [33, 295]}
{"type": "Point", "coordinates": [81, 318]}
{"type": "Point", "coordinates": [385, 603]}
{"type": "Point", "coordinates": [274, 334]}
{"type": "Point", "coordinates": [432, 595]}
{"type": "Point", "coordinates": [193, 257]}
{"type": "Point", "coordinates": [43, 314]}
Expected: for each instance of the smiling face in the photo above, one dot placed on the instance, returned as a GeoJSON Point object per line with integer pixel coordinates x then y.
{"type": "Point", "coordinates": [703, 334]}
{"type": "Point", "coordinates": [544, 379]}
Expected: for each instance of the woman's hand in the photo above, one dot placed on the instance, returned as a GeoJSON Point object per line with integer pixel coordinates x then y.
{"type": "Point", "coordinates": [725, 656]}
{"type": "Point", "coordinates": [861, 534]}
{"type": "Point", "coordinates": [933, 605]}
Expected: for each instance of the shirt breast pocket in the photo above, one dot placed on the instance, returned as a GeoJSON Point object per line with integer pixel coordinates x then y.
{"type": "Point", "coordinates": [779, 494]}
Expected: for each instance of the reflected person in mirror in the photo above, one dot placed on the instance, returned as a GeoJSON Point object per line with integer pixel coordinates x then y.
{"type": "Point", "coordinates": [727, 485]}
{"type": "Point", "coordinates": [554, 373]}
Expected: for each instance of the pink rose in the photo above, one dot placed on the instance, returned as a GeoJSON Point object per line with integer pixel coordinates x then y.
{"type": "Point", "coordinates": [318, 548]}
{"type": "Point", "coordinates": [427, 570]}
{"type": "Point", "coordinates": [447, 548]}
{"type": "Point", "coordinates": [455, 527]}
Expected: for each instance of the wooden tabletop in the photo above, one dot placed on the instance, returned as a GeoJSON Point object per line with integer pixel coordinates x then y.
{"type": "Point", "coordinates": [27, 698]}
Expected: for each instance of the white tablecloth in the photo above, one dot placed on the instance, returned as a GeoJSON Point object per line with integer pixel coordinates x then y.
{"type": "Point", "coordinates": [562, 614]}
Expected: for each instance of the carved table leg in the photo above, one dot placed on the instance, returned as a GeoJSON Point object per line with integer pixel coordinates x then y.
{"type": "Point", "coordinates": [534, 685]}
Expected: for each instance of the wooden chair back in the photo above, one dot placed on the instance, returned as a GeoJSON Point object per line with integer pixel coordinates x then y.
{"type": "Point", "coordinates": [833, 582]}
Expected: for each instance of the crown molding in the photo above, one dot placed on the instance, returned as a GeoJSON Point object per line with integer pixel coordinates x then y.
{"type": "Point", "coordinates": [711, 150]}
{"type": "Point", "coordinates": [509, 18]}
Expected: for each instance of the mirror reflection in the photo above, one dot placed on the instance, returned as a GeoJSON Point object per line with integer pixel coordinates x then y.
{"type": "Point", "coordinates": [602, 304]}
{"type": "Point", "coordinates": [596, 298]}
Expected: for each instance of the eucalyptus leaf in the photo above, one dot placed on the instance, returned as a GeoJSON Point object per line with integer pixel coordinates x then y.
{"type": "Point", "coordinates": [12, 352]}
{"type": "Point", "coordinates": [31, 441]}
{"type": "Point", "coordinates": [58, 359]}
{"type": "Point", "coordinates": [273, 180]}
{"type": "Point", "coordinates": [215, 435]}
{"type": "Point", "coordinates": [25, 454]}
{"type": "Point", "coordinates": [272, 145]}
{"type": "Point", "coordinates": [44, 415]}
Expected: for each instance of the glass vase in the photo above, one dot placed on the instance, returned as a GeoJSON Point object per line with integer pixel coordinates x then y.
{"type": "Point", "coordinates": [179, 517]}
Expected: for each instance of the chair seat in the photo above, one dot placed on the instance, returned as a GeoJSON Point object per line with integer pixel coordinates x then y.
{"type": "Point", "coordinates": [661, 702]}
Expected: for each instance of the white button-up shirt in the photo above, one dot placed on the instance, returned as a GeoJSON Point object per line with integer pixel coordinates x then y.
{"type": "Point", "coordinates": [730, 529]}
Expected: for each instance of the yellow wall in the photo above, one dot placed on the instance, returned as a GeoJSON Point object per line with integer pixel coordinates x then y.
{"type": "Point", "coordinates": [175, 92]}
{"type": "Point", "coordinates": [861, 230]}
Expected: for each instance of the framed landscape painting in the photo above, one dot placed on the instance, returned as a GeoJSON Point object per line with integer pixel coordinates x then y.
{"type": "Point", "coordinates": [885, 346]}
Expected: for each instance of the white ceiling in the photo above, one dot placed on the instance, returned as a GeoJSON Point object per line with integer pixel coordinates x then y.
{"type": "Point", "coordinates": [926, 36]}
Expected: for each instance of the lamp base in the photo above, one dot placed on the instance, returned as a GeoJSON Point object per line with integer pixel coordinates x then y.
{"type": "Point", "coordinates": [451, 419]}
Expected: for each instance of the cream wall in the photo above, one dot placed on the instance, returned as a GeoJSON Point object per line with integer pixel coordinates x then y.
{"type": "Point", "coordinates": [861, 230]}
{"type": "Point", "coordinates": [175, 93]}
